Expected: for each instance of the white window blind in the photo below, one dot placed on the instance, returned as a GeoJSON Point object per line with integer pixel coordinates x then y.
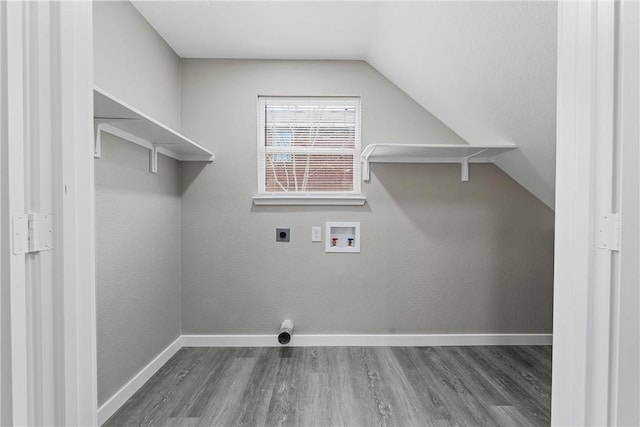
{"type": "Point", "coordinates": [309, 146]}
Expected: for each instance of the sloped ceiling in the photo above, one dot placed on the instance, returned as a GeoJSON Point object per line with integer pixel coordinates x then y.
{"type": "Point", "coordinates": [486, 69]}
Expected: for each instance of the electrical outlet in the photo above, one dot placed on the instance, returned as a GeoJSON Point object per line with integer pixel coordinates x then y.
{"type": "Point", "coordinates": [282, 234]}
{"type": "Point", "coordinates": [316, 234]}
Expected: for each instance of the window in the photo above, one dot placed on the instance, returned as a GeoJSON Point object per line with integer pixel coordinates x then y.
{"type": "Point", "coordinates": [309, 147]}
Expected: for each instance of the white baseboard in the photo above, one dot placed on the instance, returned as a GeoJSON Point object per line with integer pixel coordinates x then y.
{"type": "Point", "coordinates": [117, 400]}
{"type": "Point", "coordinates": [395, 340]}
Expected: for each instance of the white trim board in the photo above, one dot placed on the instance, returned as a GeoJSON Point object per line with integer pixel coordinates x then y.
{"type": "Point", "coordinates": [116, 401]}
{"type": "Point", "coordinates": [351, 340]}
{"type": "Point", "coordinates": [347, 340]}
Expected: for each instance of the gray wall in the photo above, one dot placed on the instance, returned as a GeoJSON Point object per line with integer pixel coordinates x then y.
{"type": "Point", "coordinates": [137, 213]}
{"type": "Point", "coordinates": [132, 62]}
{"type": "Point", "coordinates": [438, 255]}
{"type": "Point", "coordinates": [137, 261]}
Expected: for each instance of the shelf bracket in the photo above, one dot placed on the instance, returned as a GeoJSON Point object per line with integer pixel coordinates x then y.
{"type": "Point", "coordinates": [366, 165]}
{"type": "Point", "coordinates": [465, 170]}
{"type": "Point", "coordinates": [366, 170]}
{"type": "Point", "coordinates": [153, 160]}
{"type": "Point", "coordinates": [97, 142]}
{"type": "Point", "coordinates": [465, 165]}
{"type": "Point", "coordinates": [101, 126]}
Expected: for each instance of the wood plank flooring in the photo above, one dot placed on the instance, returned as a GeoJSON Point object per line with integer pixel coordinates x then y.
{"type": "Point", "coordinates": [346, 386]}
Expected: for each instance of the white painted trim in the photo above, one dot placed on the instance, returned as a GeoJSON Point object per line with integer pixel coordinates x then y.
{"type": "Point", "coordinates": [585, 191]}
{"type": "Point", "coordinates": [74, 210]}
{"type": "Point", "coordinates": [117, 400]}
{"type": "Point", "coordinates": [309, 200]}
{"type": "Point", "coordinates": [365, 340]}
{"type": "Point", "coordinates": [265, 198]}
{"type": "Point", "coordinates": [49, 78]}
{"type": "Point", "coordinates": [20, 358]}
{"type": "Point", "coordinates": [625, 343]}
{"type": "Point", "coordinates": [5, 244]}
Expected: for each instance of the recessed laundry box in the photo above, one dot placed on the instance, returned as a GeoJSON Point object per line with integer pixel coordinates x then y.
{"type": "Point", "coordinates": [342, 237]}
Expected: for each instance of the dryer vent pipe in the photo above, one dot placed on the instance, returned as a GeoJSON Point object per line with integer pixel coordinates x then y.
{"type": "Point", "coordinates": [286, 330]}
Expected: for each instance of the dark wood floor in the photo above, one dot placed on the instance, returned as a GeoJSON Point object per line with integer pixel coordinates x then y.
{"type": "Point", "coordinates": [352, 386]}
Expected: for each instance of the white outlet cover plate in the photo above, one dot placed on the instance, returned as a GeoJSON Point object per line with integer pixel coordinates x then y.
{"type": "Point", "coordinates": [316, 234]}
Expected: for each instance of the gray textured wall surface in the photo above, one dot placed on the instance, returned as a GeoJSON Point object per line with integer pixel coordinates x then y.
{"type": "Point", "coordinates": [132, 62]}
{"type": "Point", "coordinates": [137, 213]}
{"type": "Point", "coordinates": [137, 261]}
{"type": "Point", "coordinates": [438, 255]}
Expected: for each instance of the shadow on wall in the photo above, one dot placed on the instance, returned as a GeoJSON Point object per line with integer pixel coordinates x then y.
{"type": "Point", "coordinates": [124, 168]}
{"type": "Point", "coordinates": [489, 232]}
{"type": "Point", "coordinates": [190, 171]}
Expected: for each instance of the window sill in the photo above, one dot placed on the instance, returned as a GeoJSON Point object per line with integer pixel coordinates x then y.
{"type": "Point", "coordinates": [309, 200]}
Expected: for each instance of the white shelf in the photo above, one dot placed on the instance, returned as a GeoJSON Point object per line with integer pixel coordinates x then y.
{"type": "Point", "coordinates": [430, 153]}
{"type": "Point", "coordinates": [116, 117]}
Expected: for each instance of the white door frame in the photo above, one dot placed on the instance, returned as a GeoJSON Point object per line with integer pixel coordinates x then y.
{"type": "Point", "coordinates": [589, 195]}
{"type": "Point", "coordinates": [74, 166]}
{"type": "Point", "coordinates": [48, 363]}
{"type": "Point", "coordinates": [625, 331]}
{"type": "Point", "coordinates": [14, 202]}
{"type": "Point", "coordinates": [583, 194]}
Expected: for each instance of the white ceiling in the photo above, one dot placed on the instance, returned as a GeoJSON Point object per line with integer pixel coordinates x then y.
{"type": "Point", "coordinates": [263, 29]}
{"type": "Point", "coordinates": [486, 69]}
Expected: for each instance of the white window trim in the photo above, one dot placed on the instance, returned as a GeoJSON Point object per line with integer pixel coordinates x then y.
{"type": "Point", "coordinates": [309, 200]}
{"type": "Point", "coordinates": [351, 198]}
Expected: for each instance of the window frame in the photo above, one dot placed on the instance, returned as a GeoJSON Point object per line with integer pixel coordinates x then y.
{"type": "Point", "coordinates": [353, 197]}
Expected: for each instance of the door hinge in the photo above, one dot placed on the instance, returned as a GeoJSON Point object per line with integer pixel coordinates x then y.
{"type": "Point", "coordinates": [31, 233]}
{"type": "Point", "coordinates": [609, 232]}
